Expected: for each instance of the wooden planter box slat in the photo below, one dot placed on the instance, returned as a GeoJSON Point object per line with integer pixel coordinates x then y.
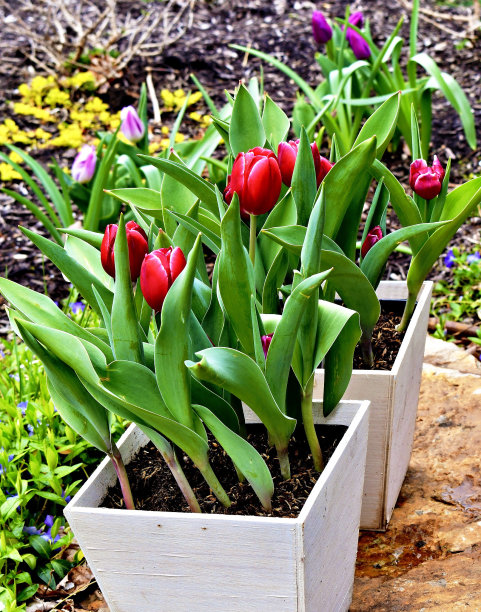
{"type": "Point", "coordinates": [394, 398]}
{"type": "Point", "coordinates": [181, 562]}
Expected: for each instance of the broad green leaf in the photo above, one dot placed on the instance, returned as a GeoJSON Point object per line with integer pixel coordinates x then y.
{"type": "Point", "coordinates": [209, 238]}
{"type": "Point", "coordinates": [381, 124]}
{"type": "Point", "coordinates": [243, 454]}
{"type": "Point", "coordinates": [276, 123]}
{"type": "Point", "coordinates": [353, 287]}
{"type": "Point", "coordinates": [215, 403]}
{"type": "Point", "coordinates": [283, 214]}
{"type": "Point", "coordinates": [246, 130]}
{"type": "Point", "coordinates": [236, 277]}
{"type": "Point", "coordinates": [92, 238]}
{"type": "Point", "coordinates": [303, 184]}
{"type": "Point", "coordinates": [281, 349]}
{"type": "Point", "coordinates": [171, 345]}
{"type": "Point", "coordinates": [71, 350]}
{"type": "Point", "coordinates": [76, 273]}
{"type": "Point", "coordinates": [144, 414]}
{"type": "Point", "coordinates": [89, 258]}
{"type": "Point", "coordinates": [338, 364]}
{"type": "Point", "coordinates": [40, 309]}
{"type": "Point", "coordinates": [237, 373]}
{"type": "Point", "coordinates": [79, 410]}
{"type": "Point", "coordinates": [146, 200]}
{"type": "Point", "coordinates": [187, 177]}
{"type": "Point", "coordinates": [346, 171]}
{"type": "Point", "coordinates": [374, 262]}
{"type": "Point", "coordinates": [274, 280]}
{"type": "Point", "coordinates": [127, 343]}
{"type": "Point", "coordinates": [292, 238]}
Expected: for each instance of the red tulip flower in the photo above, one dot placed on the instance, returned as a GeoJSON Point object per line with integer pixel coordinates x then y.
{"type": "Point", "coordinates": [256, 178]}
{"type": "Point", "coordinates": [138, 247]}
{"type": "Point", "coordinates": [372, 237]}
{"type": "Point", "coordinates": [426, 181]}
{"type": "Point", "coordinates": [287, 155]}
{"type": "Point", "coordinates": [159, 270]}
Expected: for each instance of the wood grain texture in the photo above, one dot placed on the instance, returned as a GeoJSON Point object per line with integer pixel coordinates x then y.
{"type": "Point", "coordinates": [393, 410]}
{"type": "Point", "coordinates": [179, 562]}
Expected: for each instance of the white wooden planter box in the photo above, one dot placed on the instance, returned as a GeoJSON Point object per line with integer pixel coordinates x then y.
{"type": "Point", "coordinates": [179, 562]}
{"type": "Point", "coordinates": [394, 400]}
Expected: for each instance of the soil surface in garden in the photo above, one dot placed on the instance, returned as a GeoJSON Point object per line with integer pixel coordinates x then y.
{"type": "Point", "coordinates": [154, 487]}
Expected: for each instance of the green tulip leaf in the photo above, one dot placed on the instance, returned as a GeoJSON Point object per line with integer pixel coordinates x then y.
{"type": "Point", "coordinates": [198, 186]}
{"type": "Point", "coordinates": [238, 374]}
{"type": "Point", "coordinates": [89, 258]}
{"type": "Point", "coordinates": [243, 454]}
{"type": "Point", "coordinates": [281, 349]}
{"type": "Point", "coordinates": [246, 130]}
{"type": "Point", "coordinates": [171, 345]}
{"type": "Point", "coordinates": [92, 238]}
{"type": "Point", "coordinates": [41, 310]}
{"type": "Point", "coordinates": [236, 277]}
{"type": "Point", "coordinates": [276, 123]}
{"type": "Point", "coordinates": [126, 339]}
{"type": "Point", "coordinates": [374, 262]}
{"type": "Point", "coordinates": [347, 171]}
{"type": "Point", "coordinates": [81, 278]}
{"type": "Point", "coordinates": [303, 184]}
{"type": "Point", "coordinates": [381, 124]}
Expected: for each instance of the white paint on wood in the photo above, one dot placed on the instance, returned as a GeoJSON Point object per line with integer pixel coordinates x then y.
{"type": "Point", "coordinates": [181, 562]}
{"type": "Point", "coordinates": [394, 399]}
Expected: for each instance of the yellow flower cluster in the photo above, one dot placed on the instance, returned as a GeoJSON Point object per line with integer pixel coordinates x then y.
{"type": "Point", "coordinates": [175, 100]}
{"type": "Point", "coordinates": [42, 99]}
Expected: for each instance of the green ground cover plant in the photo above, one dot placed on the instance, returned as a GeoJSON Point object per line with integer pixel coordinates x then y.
{"type": "Point", "coordinates": [43, 462]}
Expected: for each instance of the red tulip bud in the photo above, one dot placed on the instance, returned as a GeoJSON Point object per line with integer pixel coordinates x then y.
{"type": "Point", "coordinates": [426, 181]}
{"type": "Point", "coordinates": [256, 179]}
{"type": "Point", "coordinates": [266, 342]}
{"type": "Point", "coordinates": [287, 155]}
{"type": "Point", "coordinates": [137, 243]}
{"type": "Point", "coordinates": [324, 168]}
{"type": "Point", "coordinates": [159, 270]}
{"type": "Point", "coordinates": [372, 237]}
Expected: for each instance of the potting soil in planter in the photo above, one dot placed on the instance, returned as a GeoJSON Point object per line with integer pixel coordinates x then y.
{"type": "Point", "coordinates": [154, 488]}
{"type": "Point", "coordinates": [386, 341]}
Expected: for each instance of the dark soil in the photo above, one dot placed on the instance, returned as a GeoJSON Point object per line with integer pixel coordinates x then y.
{"type": "Point", "coordinates": [154, 488]}
{"type": "Point", "coordinates": [386, 341]}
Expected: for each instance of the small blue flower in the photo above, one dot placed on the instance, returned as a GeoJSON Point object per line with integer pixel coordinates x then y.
{"type": "Point", "coordinates": [49, 521]}
{"type": "Point", "coordinates": [23, 407]}
{"type": "Point", "coordinates": [2, 354]}
{"type": "Point", "coordinates": [30, 430]}
{"type": "Point", "coordinates": [76, 307]}
{"type": "Point", "coordinates": [15, 377]}
{"type": "Point", "coordinates": [67, 498]}
{"type": "Point", "coordinates": [32, 530]}
{"type": "Point", "coordinates": [470, 259]}
{"type": "Point", "coordinates": [449, 259]}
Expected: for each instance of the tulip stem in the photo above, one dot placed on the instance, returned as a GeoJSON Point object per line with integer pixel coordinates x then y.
{"type": "Point", "coordinates": [252, 239]}
{"type": "Point", "coordinates": [408, 311]}
{"type": "Point", "coordinates": [366, 350]}
{"type": "Point", "coordinates": [182, 482]}
{"type": "Point", "coordinates": [213, 482]}
{"type": "Point", "coordinates": [119, 466]}
{"type": "Point", "coordinates": [309, 428]}
{"type": "Point", "coordinates": [282, 454]}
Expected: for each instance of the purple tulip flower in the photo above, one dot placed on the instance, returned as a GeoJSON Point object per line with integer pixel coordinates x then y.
{"type": "Point", "coordinates": [83, 166]}
{"type": "Point", "coordinates": [321, 30]}
{"type": "Point", "coordinates": [132, 127]}
{"type": "Point", "coordinates": [359, 46]}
